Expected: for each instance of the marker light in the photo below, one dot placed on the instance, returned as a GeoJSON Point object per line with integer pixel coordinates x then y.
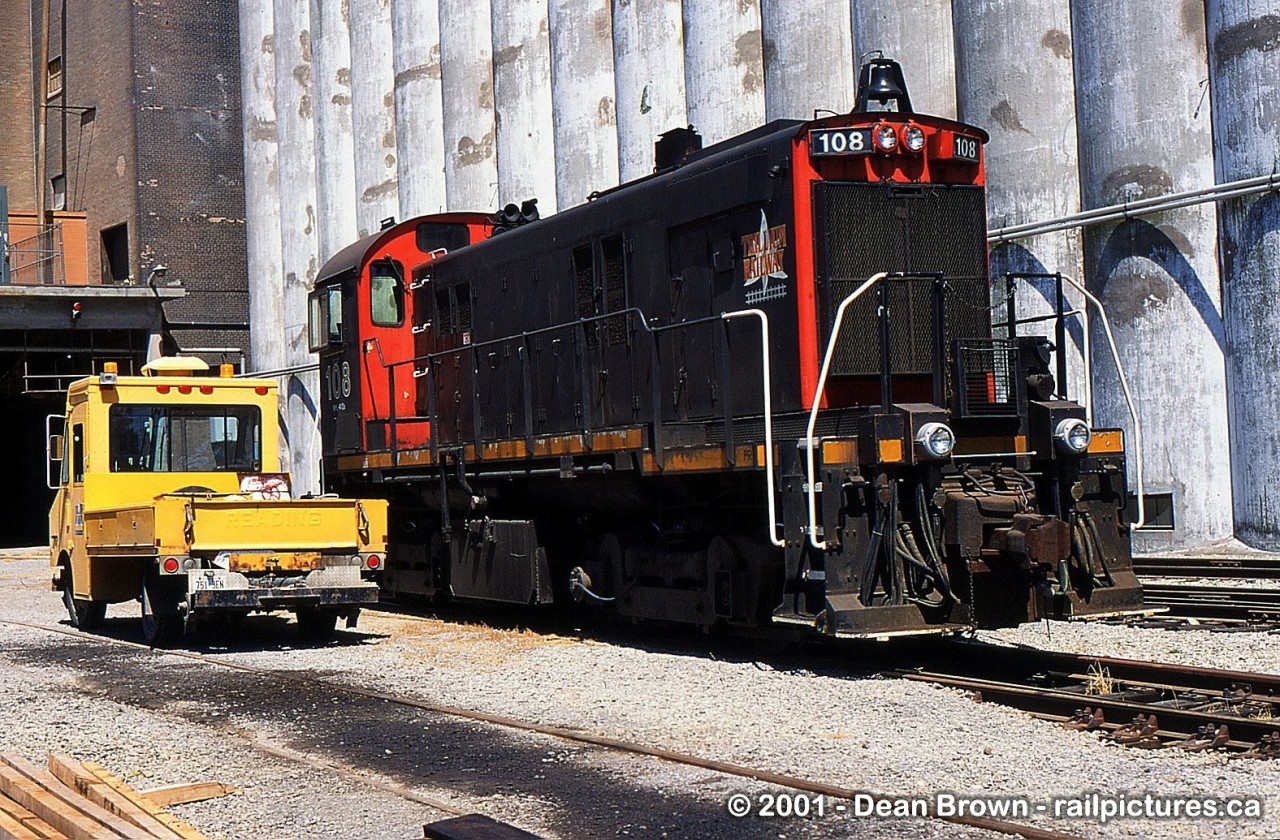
{"type": "Point", "coordinates": [886, 139]}
{"type": "Point", "coordinates": [1073, 436]}
{"type": "Point", "coordinates": [936, 439]}
{"type": "Point", "coordinates": [913, 138]}
{"type": "Point", "coordinates": [170, 565]}
{"type": "Point", "coordinates": [373, 561]}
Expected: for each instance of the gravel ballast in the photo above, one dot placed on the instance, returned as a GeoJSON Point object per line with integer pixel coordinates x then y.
{"type": "Point", "coordinates": [861, 731]}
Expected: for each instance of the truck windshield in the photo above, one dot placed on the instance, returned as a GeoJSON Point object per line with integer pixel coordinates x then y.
{"type": "Point", "coordinates": [168, 438]}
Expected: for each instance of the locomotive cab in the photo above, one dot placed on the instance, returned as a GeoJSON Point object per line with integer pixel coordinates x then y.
{"type": "Point", "coordinates": [360, 323]}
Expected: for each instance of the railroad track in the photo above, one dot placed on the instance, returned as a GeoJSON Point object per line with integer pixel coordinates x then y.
{"type": "Point", "coordinates": [1237, 566]}
{"type": "Point", "coordinates": [834, 791]}
{"type": "Point", "coordinates": [1184, 704]}
{"type": "Point", "coordinates": [1229, 602]}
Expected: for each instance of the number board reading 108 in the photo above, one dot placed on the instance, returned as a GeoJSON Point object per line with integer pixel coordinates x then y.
{"type": "Point", "coordinates": [840, 141]}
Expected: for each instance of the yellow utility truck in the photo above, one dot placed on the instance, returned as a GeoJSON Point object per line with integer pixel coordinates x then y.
{"type": "Point", "coordinates": [171, 493]}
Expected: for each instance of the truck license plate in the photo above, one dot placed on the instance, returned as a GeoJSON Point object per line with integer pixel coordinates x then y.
{"type": "Point", "coordinates": [208, 580]}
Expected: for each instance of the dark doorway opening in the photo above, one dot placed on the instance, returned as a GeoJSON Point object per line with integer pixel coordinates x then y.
{"type": "Point", "coordinates": [24, 494]}
{"type": "Point", "coordinates": [115, 254]}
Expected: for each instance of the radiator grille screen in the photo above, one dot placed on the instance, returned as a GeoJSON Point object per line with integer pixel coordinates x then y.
{"type": "Point", "coordinates": [929, 229]}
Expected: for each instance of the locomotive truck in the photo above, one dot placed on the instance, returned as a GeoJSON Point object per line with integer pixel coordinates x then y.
{"type": "Point", "coordinates": [170, 492]}
{"type": "Point", "coordinates": [760, 387]}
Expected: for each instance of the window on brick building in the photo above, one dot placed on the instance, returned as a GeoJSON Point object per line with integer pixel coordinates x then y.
{"type": "Point", "coordinates": [55, 76]}
{"type": "Point", "coordinates": [58, 183]}
{"type": "Point", "coordinates": [115, 254]}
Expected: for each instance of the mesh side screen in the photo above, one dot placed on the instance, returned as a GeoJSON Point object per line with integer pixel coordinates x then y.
{"type": "Point", "coordinates": [879, 227]}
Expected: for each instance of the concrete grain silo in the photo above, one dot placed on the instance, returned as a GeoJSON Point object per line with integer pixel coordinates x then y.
{"type": "Point", "coordinates": [918, 35]}
{"type": "Point", "coordinates": [1147, 133]}
{"type": "Point", "coordinates": [723, 67]}
{"type": "Point", "coordinates": [1244, 74]}
{"type": "Point", "coordinates": [648, 61]}
{"type": "Point", "coordinates": [261, 184]}
{"type": "Point", "coordinates": [415, 41]}
{"type": "Point", "coordinates": [373, 113]}
{"type": "Point", "coordinates": [808, 59]}
{"type": "Point", "coordinates": [335, 152]}
{"type": "Point", "coordinates": [1014, 78]}
{"type": "Point", "coordinates": [466, 84]}
{"type": "Point", "coordinates": [582, 96]}
{"type": "Point", "coordinates": [522, 103]}
{"type": "Point", "coordinates": [299, 245]}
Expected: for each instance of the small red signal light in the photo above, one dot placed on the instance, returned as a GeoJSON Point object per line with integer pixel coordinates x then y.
{"type": "Point", "coordinates": [162, 389]}
{"type": "Point", "coordinates": [373, 561]}
{"type": "Point", "coordinates": [184, 389]}
{"type": "Point", "coordinates": [261, 390]}
{"type": "Point", "coordinates": [170, 565]}
{"type": "Point", "coordinates": [206, 389]}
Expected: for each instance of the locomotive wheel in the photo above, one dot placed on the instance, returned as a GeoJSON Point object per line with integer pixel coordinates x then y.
{"type": "Point", "coordinates": [84, 614]}
{"type": "Point", "coordinates": [159, 627]}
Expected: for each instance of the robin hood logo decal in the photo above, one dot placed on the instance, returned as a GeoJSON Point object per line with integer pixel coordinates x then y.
{"type": "Point", "coordinates": [762, 261]}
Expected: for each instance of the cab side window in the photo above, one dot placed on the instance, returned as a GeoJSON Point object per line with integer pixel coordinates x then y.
{"type": "Point", "coordinates": [386, 294]}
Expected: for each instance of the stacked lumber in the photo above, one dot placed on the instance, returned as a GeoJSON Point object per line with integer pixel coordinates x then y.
{"type": "Point", "coordinates": [82, 801]}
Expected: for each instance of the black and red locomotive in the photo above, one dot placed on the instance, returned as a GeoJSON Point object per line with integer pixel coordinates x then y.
{"type": "Point", "coordinates": [758, 387]}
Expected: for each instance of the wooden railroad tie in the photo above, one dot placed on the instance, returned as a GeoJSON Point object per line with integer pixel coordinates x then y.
{"type": "Point", "coordinates": [82, 801]}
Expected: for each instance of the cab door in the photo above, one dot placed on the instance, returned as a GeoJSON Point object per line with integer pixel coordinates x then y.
{"type": "Point", "coordinates": [332, 335]}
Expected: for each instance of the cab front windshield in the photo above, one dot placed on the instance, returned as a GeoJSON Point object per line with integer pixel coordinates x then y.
{"type": "Point", "coordinates": [169, 438]}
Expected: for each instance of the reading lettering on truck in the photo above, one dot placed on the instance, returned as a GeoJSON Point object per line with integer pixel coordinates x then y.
{"type": "Point", "coordinates": [169, 492]}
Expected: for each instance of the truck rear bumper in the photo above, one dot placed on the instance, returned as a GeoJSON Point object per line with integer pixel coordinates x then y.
{"type": "Point", "coordinates": [341, 587]}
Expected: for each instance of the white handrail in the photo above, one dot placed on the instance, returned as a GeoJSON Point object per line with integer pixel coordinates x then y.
{"type": "Point", "coordinates": [817, 401]}
{"type": "Point", "coordinates": [768, 416]}
{"type": "Point", "coordinates": [1128, 399]}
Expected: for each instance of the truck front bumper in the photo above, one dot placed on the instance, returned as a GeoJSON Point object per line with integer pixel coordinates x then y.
{"type": "Point", "coordinates": [338, 587]}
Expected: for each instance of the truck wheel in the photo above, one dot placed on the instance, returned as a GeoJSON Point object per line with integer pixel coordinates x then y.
{"type": "Point", "coordinates": [158, 628]}
{"type": "Point", "coordinates": [317, 625]}
{"type": "Point", "coordinates": [84, 614]}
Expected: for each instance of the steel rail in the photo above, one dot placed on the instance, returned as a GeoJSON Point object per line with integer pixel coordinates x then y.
{"type": "Point", "coordinates": [1239, 566]}
{"type": "Point", "coordinates": [1144, 688]}
{"type": "Point", "coordinates": [674, 756]}
{"type": "Point", "coordinates": [1213, 601]}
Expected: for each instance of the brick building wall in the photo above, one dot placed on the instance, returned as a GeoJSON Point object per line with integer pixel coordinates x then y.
{"type": "Point", "coordinates": [191, 162]}
{"type": "Point", "coordinates": [17, 140]}
{"type": "Point", "coordinates": [163, 151]}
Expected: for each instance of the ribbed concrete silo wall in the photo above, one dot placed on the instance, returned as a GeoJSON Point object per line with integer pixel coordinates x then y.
{"type": "Point", "coordinates": [1014, 79]}
{"type": "Point", "coordinates": [466, 84]}
{"type": "Point", "coordinates": [261, 185]}
{"type": "Point", "coordinates": [415, 41]}
{"type": "Point", "coordinates": [917, 35]}
{"type": "Point", "coordinates": [648, 60]}
{"type": "Point", "coordinates": [335, 152]}
{"type": "Point", "coordinates": [808, 59]}
{"type": "Point", "coordinates": [522, 97]}
{"type": "Point", "coordinates": [582, 95]}
{"type": "Point", "coordinates": [298, 243]}
{"type": "Point", "coordinates": [1244, 73]}
{"type": "Point", "coordinates": [1146, 132]}
{"type": "Point", "coordinates": [373, 113]}
{"type": "Point", "coordinates": [724, 67]}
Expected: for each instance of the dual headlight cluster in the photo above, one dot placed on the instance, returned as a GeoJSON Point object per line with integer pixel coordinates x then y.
{"type": "Point", "coordinates": [888, 137]}
{"type": "Point", "coordinates": [1072, 437]}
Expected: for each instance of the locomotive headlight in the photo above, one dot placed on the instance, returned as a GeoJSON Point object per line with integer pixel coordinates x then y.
{"type": "Point", "coordinates": [935, 439]}
{"type": "Point", "coordinates": [913, 138]}
{"type": "Point", "coordinates": [886, 138]}
{"type": "Point", "coordinates": [1073, 436]}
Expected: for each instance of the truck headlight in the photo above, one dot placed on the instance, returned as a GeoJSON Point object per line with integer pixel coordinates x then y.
{"type": "Point", "coordinates": [935, 439]}
{"type": "Point", "coordinates": [1073, 435]}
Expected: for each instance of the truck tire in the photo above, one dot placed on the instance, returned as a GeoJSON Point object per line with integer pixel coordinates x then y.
{"type": "Point", "coordinates": [317, 625]}
{"type": "Point", "coordinates": [84, 614]}
{"type": "Point", "coordinates": [159, 626]}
